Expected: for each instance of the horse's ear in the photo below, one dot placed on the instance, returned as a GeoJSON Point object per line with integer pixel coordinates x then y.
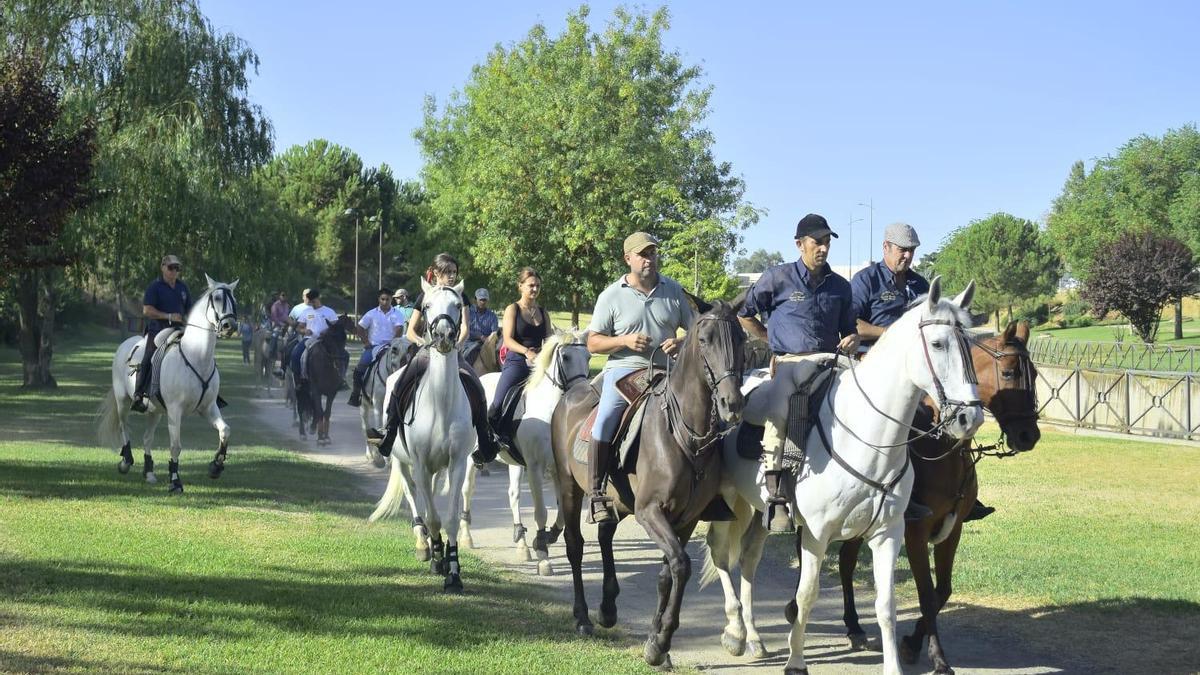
{"type": "Point", "coordinates": [425, 286]}
{"type": "Point", "coordinates": [1009, 331]}
{"type": "Point", "coordinates": [458, 288]}
{"type": "Point", "coordinates": [963, 299]}
{"type": "Point", "coordinates": [211, 284]}
{"type": "Point", "coordinates": [740, 301]}
{"type": "Point", "coordinates": [935, 292]}
{"type": "Point", "coordinates": [698, 304]}
{"type": "Point", "coordinates": [1022, 333]}
{"type": "Point", "coordinates": [233, 286]}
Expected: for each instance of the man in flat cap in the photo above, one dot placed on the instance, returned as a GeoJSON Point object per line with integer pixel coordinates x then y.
{"type": "Point", "coordinates": [809, 314]}
{"type": "Point", "coordinates": [636, 318]}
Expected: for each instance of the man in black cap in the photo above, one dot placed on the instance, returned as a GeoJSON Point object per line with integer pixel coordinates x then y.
{"type": "Point", "coordinates": [809, 310]}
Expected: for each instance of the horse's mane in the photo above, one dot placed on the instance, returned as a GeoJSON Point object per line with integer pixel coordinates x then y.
{"type": "Point", "coordinates": [546, 356]}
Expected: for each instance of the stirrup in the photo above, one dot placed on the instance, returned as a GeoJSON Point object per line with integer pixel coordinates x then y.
{"type": "Point", "coordinates": [600, 510]}
{"type": "Point", "coordinates": [916, 511]}
{"type": "Point", "coordinates": [979, 511]}
{"type": "Point", "coordinates": [778, 518]}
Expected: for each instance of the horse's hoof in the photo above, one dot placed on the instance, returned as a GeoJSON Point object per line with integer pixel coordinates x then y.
{"type": "Point", "coordinates": [176, 488]}
{"type": "Point", "coordinates": [944, 670]}
{"type": "Point", "coordinates": [151, 478]}
{"type": "Point", "coordinates": [466, 540]}
{"type": "Point", "coordinates": [909, 652]}
{"type": "Point", "coordinates": [453, 584]}
{"type": "Point", "coordinates": [423, 555]}
{"type": "Point", "coordinates": [215, 468]}
{"type": "Point", "coordinates": [653, 654]}
{"type": "Point", "coordinates": [608, 617]}
{"type": "Point", "coordinates": [757, 650]}
{"type": "Point", "coordinates": [123, 467]}
{"type": "Point", "coordinates": [790, 612]}
{"type": "Point", "coordinates": [523, 553]}
{"type": "Point", "coordinates": [584, 629]}
{"type": "Point", "coordinates": [734, 645]}
{"type": "Point", "coordinates": [858, 642]}
{"type": "Point", "coordinates": [795, 671]}
{"type": "Point", "coordinates": [544, 568]}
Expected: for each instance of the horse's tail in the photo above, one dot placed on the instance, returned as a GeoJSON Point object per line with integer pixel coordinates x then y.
{"type": "Point", "coordinates": [392, 501]}
{"type": "Point", "coordinates": [732, 544]}
{"type": "Point", "coordinates": [444, 477]}
{"type": "Point", "coordinates": [108, 422]}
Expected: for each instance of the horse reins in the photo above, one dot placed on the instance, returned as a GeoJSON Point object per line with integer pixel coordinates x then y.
{"type": "Point", "coordinates": [227, 299]}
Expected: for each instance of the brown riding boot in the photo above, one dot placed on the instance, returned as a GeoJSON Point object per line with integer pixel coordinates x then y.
{"type": "Point", "coordinates": [778, 518]}
{"type": "Point", "coordinates": [600, 508]}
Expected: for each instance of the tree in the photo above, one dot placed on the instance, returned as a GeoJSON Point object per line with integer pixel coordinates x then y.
{"type": "Point", "coordinates": [1151, 184]}
{"type": "Point", "coordinates": [1165, 271]}
{"type": "Point", "coordinates": [1005, 255]}
{"type": "Point", "coordinates": [757, 261]}
{"type": "Point", "coordinates": [559, 147]}
{"type": "Point", "coordinates": [43, 172]}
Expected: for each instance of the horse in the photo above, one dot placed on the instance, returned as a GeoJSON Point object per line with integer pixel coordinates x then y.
{"type": "Point", "coordinates": [676, 477]}
{"type": "Point", "coordinates": [562, 362]}
{"type": "Point", "coordinates": [265, 357]}
{"type": "Point", "coordinates": [488, 359]}
{"type": "Point", "coordinates": [944, 480]}
{"type": "Point", "coordinates": [325, 378]}
{"type": "Point", "coordinates": [437, 436]}
{"type": "Point", "coordinates": [854, 480]}
{"type": "Point", "coordinates": [373, 392]}
{"type": "Point", "coordinates": [188, 382]}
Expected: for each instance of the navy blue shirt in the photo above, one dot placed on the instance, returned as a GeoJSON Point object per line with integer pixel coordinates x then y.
{"type": "Point", "coordinates": [877, 299]}
{"type": "Point", "coordinates": [801, 318]}
{"type": "Point", "coordinates": [168, 300]}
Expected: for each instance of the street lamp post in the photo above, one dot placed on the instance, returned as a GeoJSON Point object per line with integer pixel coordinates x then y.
{"type": "Point", "coordinates": [850, 243]}
{"type": "Point", "coordinates": [871, 242]}
{"type": "Point", "coordinates": [375, 219]}
{"type": "Point", "coordinates": [354, 212]}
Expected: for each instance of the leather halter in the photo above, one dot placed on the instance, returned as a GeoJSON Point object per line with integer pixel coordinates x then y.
{"type": "Point", "coordinates": [563, 382]}
{"type": "Point", "coordinates": [964, 353]}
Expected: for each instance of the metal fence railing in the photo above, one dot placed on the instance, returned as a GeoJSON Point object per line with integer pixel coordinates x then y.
{"type": "Point", "coordinates": [1114, 355]}
{"type": "Point", "coordinates": [1133, 402]}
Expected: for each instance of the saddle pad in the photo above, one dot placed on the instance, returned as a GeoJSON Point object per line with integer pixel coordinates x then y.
{"type": "Point", "coordinates": [632, 385]}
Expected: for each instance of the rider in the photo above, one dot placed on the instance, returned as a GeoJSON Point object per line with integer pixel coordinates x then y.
{"type": "Point", "coordinates": [400, 301]}
{"type": "Point", "coordinates": [526, 327]}
{"type": "Point", "coordinates": [810, 314]}
{"type": "Point", "coordinates": [278, 318]}
{"type": "Point", "coordinates": [636, 319]}
{"type": "Point", "coordinates": [292, 321]}
{"type": "Point", "coordinates": [312, 322]}
{"type": "Point", "coordinates": [482, 322]}
{"type": "Point", "coordinates": [882, 292]}
{"type": "Point", "coordinates": [444, 272]}
{"type": "Point", "coordinates": [376, 329]}
{"type": "Point", "coordinates": [165, 303]}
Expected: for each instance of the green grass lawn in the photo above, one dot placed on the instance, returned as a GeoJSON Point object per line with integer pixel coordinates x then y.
{"type": "Point", "coordinates": [1110, 333]}
{"type": "Point", "coordinates": [270, 569]}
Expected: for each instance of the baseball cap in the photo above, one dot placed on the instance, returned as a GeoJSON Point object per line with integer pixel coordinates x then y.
{"type": "Point", "coordinates": [399, 292]}
{"type": "Point", "coordinates": [481, 294]}
{"type": "Point", "coordinates": [170, 260]}
{"type": "Point", "coordinates": [813, 226]}
{"type": "Point", "coordinates": [639, 241]}
{"type": "Point", "coordinates": [902, 235]}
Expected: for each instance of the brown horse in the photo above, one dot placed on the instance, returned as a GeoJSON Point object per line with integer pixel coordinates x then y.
{"type": "Point", "coordinates": [676, 476]}
{"type": "Point", "coordinates": [945, 481]}
{"type": "Point", "coordinates": [488, 359]}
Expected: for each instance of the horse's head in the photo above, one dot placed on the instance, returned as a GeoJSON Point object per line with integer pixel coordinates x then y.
{"type": "Point", "coordinates": [564, 358]}
{"type": "Point", "coordinates": [442, 311]}
{"type": "Point", "coordinates": [938, 357]}
{"type": "Point", "coordinates": [1008, 385]}
{"type": "Point", "coordinates": [396, 349]}
{"type": "Point", "coordinates": [718, 339]}
{"type": "Point", "coordinates": [220, 307]}
{"type": "Point", "coordinates": [336, 333]}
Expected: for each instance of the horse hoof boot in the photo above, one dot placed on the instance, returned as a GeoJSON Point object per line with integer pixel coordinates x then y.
{"type": "Point", "coordinates": [944, 670]}
{"type": "Point", "coordinates": [756, 649]}
{"type": "Point", "coordinates": [652, 653]}
{"type": "Point", "coordinates": [123, 467]}
{"type": "Point", "coordinates": [215, 468]}
{"type": "Point", "coordinates": [555, 533]}
{"type": "Point", "coordinates": [795, 671]}
{"type": "Point", "coordinates": [544, 568]}
{"type": "Point", "coordinates": [909, 652]}
{"type": "Point", "coordinates": [453, 584]}
{"type": "Point", "coordinates": [734, 645]}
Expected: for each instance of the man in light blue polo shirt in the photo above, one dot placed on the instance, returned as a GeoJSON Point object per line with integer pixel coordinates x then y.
{"type": "Point", "coordinates": [636, 319]}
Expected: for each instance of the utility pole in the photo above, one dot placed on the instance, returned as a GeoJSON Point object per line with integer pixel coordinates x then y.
{"type": "Point", "coordinates": [871, 243]}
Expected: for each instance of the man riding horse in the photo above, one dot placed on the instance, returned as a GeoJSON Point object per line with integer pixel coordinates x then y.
{"type": "Point", "coordinates": [482, 322]}
{"type": "Point", "coordinates": [376, 329]}
{"type": "Point", "coordinates": [810, 314]}
{"type": "Point", "coordinates": [165, 303]}
{"type": "Point", "coordinates": [882, 292]}
{"type": "Point", "coordinates": [312, 323]}
{"type": "Point", "coordinates": [636, 320]}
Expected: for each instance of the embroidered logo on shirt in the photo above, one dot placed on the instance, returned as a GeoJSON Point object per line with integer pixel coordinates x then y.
{"type": "Point", "coordinates": [887, 296]}
{"type": "Point", "coordinates": [797, 296]}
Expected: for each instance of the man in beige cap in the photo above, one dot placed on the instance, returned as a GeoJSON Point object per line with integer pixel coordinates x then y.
{"type": "Point", "coordinates": [164, 305]}
{"type": "Point", "coordinates": [636, 318]}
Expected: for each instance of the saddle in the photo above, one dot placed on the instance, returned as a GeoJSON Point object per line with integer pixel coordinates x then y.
{"type": "Point", "coordinates": [163, 340]}
{"type": "Point", "coordinates": [635, 388]}
{"type": "Point", "coordinates": [804, 406]}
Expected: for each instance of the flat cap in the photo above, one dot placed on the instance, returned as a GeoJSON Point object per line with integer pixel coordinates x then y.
{"type": "Point", "coordinates": [902, 234]}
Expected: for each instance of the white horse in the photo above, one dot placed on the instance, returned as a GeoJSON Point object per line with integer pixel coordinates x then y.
{"type": "Point", "coordinates": [855, 480]}
{"type": "Point", "coordinates": [437, 436]}
{"type": "Point", "coordinates": [562, 361]}
{"type": "Point", "coordinates": [188, 379]}
{"type": "Point", "coordinates": [374, 392]}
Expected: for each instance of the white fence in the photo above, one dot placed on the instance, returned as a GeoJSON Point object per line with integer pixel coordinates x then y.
{"type": "Point", "coordinates": [1127, 401]}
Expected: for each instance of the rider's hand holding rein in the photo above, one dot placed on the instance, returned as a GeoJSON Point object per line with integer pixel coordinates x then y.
{"type": "Point", "coordinates": [670, 346]}
{"type": "Point", "coordinates": [849, 344]}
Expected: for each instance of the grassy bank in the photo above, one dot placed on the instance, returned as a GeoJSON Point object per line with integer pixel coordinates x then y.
{"type": "Point", "coordinates": [270, 569]}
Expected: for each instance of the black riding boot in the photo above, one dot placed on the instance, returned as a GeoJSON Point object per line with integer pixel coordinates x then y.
{"type": "Point", "coordinates": [979, 511]}
{"type": "Point", "coordinates": [143, 375]}
{"type": "Point", "coordinates": [779, 518]}
{"type": "Point", "coordinates": [600, 509]}
{"type": "Point", "coordinates": [356, 395]}
{"type": "Point", "coordinates": [488, 448]}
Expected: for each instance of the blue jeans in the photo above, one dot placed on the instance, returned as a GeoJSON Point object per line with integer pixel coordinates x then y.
{"type": "Point", "coordinates": [297, 352]}
{"type": "Point", "coordinates": [612, 404]}
{"type": "Point", "coordinates": [515, 369]}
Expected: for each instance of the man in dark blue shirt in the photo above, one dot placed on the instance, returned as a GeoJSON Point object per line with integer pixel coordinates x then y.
{"type": "Point", "coordinates": [882, 291]}
{"type": "Point", "coordinates": [809, 311]}
{"type": "Point", "coordinates": [164, 305]}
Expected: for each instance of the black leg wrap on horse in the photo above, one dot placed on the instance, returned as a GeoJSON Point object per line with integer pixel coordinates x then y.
{"type": "Point", "coordinates": [147, 464]}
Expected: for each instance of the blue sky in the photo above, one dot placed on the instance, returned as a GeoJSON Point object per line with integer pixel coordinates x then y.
{"type": "Point", "coordinates": [939, 112]}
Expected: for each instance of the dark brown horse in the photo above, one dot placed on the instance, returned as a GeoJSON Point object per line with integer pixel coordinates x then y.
{"type": "Point", "coordinates": [945, 481]}
{"type": "Point", "coordinates": [676, 475]}
{"type": "Point", "coordinates": [326, 373]}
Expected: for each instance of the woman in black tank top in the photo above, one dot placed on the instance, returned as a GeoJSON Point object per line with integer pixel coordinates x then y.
{"type": "Point", "coordinates": [524, 327]}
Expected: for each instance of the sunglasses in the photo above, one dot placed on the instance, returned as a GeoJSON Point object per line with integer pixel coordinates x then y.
{"type": "Point", "coordinates": [174, 268]}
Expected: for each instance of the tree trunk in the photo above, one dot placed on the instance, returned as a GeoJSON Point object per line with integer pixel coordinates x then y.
{"type": "Point", "coordinates": [575, 310]}
{"type": "Point", "coordinates": [1010, 312]}
{"type": "Point", "coordinates": [1179, 318]}
{"type": "Point", "coordinates": [998, 328]}
{"type": "Point", "coordinates": [35, 300]}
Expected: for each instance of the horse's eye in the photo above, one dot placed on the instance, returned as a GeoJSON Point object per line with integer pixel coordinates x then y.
{"type": "Point", "coordinates": [938, 344]}
{"type": "Point", "coordinates": [1008, 374]}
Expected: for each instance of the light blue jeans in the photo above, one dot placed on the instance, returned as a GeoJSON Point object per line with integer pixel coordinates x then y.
{"type": "Point", "coordinates": [612, 404]}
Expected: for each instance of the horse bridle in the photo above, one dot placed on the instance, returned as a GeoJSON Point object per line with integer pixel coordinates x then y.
{"type": "Point", "coordinates": [227, 300]}
{"type": "Point", "coordinates": [964, 351]}
{"type": "Point", "coordinates": [670, 403]}
{"type": "Point", "coordinates": [455, 326]}
{"type": "Point", "coordinates": [564, 382]}
{"type": "Point", "coordinates": [1026, 378]}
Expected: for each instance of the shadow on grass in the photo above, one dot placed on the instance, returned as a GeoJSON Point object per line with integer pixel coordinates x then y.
{"type": "Point", "coordinates": [26, 663]}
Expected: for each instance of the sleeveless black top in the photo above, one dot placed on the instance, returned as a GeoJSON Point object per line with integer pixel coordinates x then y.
{"type": "Point", "coordinates": [527, 334]}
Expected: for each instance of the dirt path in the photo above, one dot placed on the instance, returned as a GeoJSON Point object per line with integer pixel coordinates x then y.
{"type": "Point", "coordinates": [971, 645]}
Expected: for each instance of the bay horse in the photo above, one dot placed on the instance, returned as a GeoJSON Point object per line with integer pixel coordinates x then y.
{"type": "Point", "coordinates": [676, 476]}
{"type": "Point", "coordinates": [188, 383]}
{"type": "Point", "coordinates": [854, 480]}
{"type": "Point", "coordinates": [488, 358]}
{"type": "Point", "coordinates": [325, 378]}
{"type": "Point", "coordinates": [562, 361]}
{"type": "Point", "coordinates": [436, 435]}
